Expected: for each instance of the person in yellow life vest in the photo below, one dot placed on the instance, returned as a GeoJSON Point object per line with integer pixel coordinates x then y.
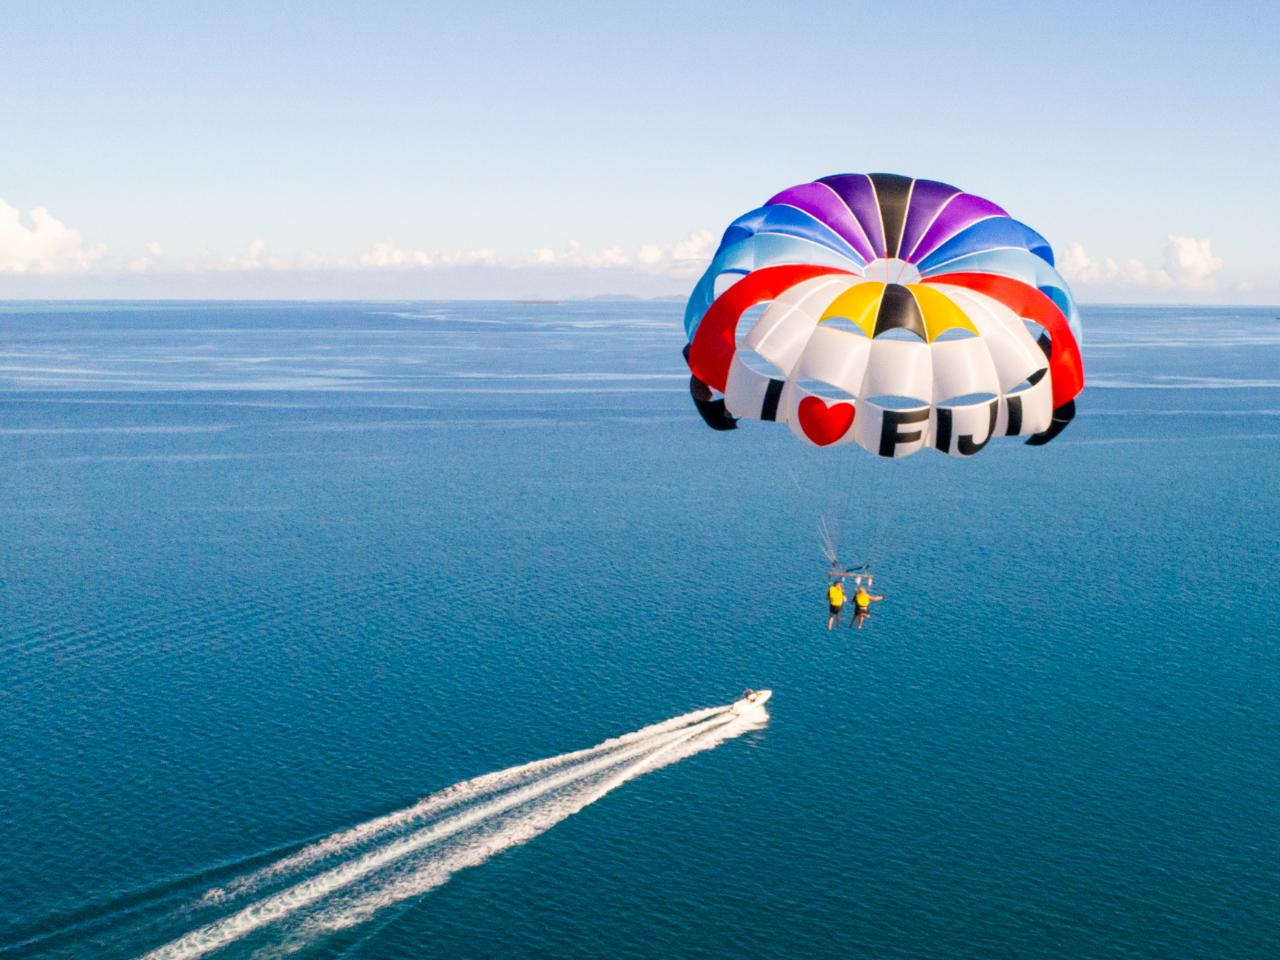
{"type": "Point", "coordinates": [862, 601]}
{"type": "Point", "coordinates": [835, 600]}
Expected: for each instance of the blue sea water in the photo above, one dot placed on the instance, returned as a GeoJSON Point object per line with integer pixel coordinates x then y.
{"type": "Point", "coordinates": [269, 570]}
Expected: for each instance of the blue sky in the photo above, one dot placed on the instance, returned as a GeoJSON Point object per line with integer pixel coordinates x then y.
{"type": "Point", "coordinates": [486, 149]}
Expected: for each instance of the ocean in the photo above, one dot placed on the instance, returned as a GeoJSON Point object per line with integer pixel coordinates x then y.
{"type": "Point", "coordinates": [270, 572]}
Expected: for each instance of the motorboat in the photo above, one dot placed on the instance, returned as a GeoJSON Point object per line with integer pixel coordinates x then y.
{"type": "Point", "coordinates": [752, 700]}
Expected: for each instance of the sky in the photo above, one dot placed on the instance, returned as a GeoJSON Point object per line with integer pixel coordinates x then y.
{"type": "Point", "coordinates": [421, 150]}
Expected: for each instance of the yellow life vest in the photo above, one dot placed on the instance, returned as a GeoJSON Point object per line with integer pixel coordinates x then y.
{"type": "Point", "coordinates": [835, 595]}
{"type": "Point", "coordinates": [862, 599]}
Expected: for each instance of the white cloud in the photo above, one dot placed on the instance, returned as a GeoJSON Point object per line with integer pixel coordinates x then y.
{"type": "Point", "coordinates": [697, 248]}
{"type": "Point", "coordinates": [485, 256]}
{"type": "Point", "coordinates": [1077, 266]}
{"type": "Point", "coordinates": [153, 255]}
{"type": "Point", "coordinates": [650, 254]}
{"type": "Point", "coordinates": [1191, 263]}
{"type": "Point", "coordinates": [610, 257]}
{"type": "Point", "coordinates": [255, 257]}
{"type": "Point", "coordinates": [46, 246]}
{"type": "Point", "coordinates": [1188, 264]}
{"type": "Point", "coordinates": [684, 258]}
{"type": "Point", "coordinates": [387, 254]}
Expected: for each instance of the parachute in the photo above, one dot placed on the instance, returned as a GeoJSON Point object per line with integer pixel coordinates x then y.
{"type": "Point", "coordinates": [897, 314]}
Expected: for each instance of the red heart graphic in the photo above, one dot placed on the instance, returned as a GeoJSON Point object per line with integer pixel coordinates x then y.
{"type": "Point", "coordinates": [825, 424]}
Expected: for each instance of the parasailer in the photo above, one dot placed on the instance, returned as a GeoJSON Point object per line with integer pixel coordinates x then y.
{"type": "Point", "coordinates": [835, 603]}
{"type": "Point", "coordinates": [862, 601]}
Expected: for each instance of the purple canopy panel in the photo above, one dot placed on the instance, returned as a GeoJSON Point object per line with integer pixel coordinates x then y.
{"type": "Point", "coordinates": [821, 202]}
{"type": "Point", "coordinates": [859, 196]}
{"type": "Point", "coordinates": [962, 211]}
{"type": "Point", "coordinates": [927, 198]}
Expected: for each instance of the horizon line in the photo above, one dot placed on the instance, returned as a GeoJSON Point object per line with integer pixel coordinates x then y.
{"type": "Point", "coordinates": [535, 301]}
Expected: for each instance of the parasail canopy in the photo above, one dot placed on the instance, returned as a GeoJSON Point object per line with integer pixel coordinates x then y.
{"type": "Point", "coordinates": [898, 314]}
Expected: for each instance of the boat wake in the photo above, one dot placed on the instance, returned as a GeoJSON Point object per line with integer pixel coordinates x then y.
{"type": "Point", "coordinates": [346, 879]}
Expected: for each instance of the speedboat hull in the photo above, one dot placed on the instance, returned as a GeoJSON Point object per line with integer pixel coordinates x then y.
{"type": "Point", "coordinates": [752, 702]}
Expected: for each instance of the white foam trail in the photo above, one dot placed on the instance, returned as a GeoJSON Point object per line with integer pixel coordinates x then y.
{"type": "Point", "coordinates": [439, 869]}
{"type": "Point", "coordinates": [213, 936]}
{"type": "Point", "coordinates": [438, 802]}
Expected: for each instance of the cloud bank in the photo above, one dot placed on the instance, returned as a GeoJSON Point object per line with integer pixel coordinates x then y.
{"type": "Point", "coordinates": [40, 256]}
{"type": "Point", "coordinates": [1188, 265]}
{"type": "Point", "coordinates": [49, 259]}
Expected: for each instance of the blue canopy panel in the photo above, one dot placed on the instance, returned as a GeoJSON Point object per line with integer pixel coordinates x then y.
{"type": "Point", "coordinates": [790, 221]}
{"type": "Point", "coordinates": [986, 235]}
